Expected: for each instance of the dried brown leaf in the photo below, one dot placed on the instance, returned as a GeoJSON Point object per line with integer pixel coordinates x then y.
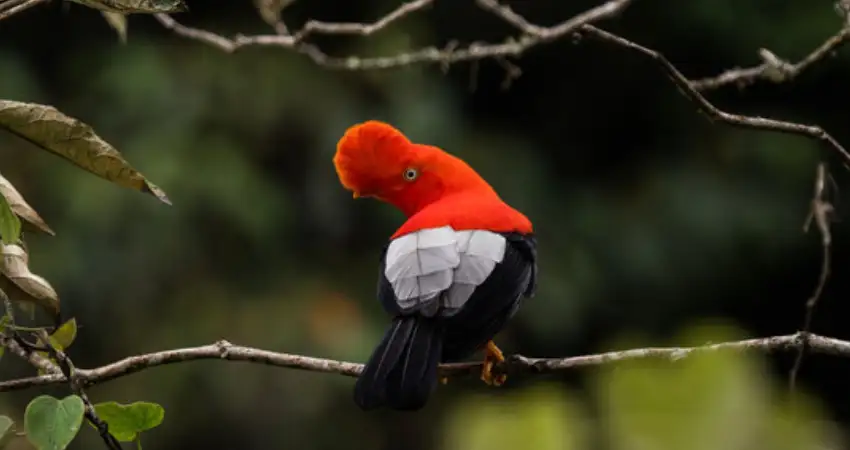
{"type": "Point", "coordinates": [21, 208]}
{"type": "Point", "coordinates": [136, 6]}
{"type": "Point", "coordinates": [23, 286]}
{"type": "Point", "coordinates": [75, 141]}
{"type": "Point", "coordinates": [118, 22]}
{"type": "Point", "coordinates": [270, 9]}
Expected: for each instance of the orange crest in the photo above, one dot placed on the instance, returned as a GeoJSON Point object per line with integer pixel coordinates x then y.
{"type": "Point", "coordinates": [368, 154]}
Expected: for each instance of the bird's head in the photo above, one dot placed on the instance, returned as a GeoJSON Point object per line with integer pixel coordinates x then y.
{"type": "Point", "coordinates": [374, 159]}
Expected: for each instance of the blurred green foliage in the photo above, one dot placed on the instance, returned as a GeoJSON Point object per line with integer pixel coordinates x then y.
{"type": "Point", "coordinates": [712, 401]}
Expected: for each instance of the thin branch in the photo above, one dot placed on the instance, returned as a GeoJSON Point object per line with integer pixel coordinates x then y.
{"type": "Point", "coordinates": [69, 373]}
{"type": "Point", "coordinates": [533, 35]}
{"type": "Point", "coordinates": [445, 56]}
{"type": "Point", "coordinates": [820, 213]}
{"type": "Point", "coordinates": [12, 7]}
{"type": "Point", "coordinates": [685, 86]}
{"type": "Point", "coordinates": [708, 108]}
{"type": "Point", "coordinates": [361, 29]}
{"type": "Point", "coordinates": [774, 69]}
{"type": "Point", "coordinates": [226, 351]}
{"type": "Point", "coordinates": [35, 360]}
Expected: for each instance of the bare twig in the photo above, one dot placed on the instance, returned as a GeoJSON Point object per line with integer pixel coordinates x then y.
{"type": "Point", "coordinates": [708, 108]}
{"type": "Point", "coordinates": [31, 357]}
{"type": "Point", "coordinates": [224, 350]}
{"type": "Point", "coordinates": [361, 29]}
{"type": "Point", "coordinates": [449, 55]}
{"type": "Point", "coordinates": [12, 7]}
{"type": "Point", "coordinates": [69, 373]}
{"type": "Point", "coordinates": [820, 213]}
{"type": "Point", "coordinates": [774, 69]}
{"type": "Point", "coordinates": [684, 85]}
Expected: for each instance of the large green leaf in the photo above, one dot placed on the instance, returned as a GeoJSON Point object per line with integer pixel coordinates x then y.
{"type": "Point", "coordinates": [127, 421]}
{"type": "Point", "coordinates": [51, 424]}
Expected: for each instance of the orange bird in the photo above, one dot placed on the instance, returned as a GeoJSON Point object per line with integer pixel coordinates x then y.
{"type": "Point", "coordinates": [451, 276]}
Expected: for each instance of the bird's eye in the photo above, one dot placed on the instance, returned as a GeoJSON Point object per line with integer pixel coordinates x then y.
{"type": "Point", "coordinates": [410, 174]}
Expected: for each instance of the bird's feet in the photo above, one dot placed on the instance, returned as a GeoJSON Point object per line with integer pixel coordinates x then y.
{"type": "Point", "coordinates": [492, 355]}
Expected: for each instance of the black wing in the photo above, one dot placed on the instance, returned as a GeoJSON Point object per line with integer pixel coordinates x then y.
{"type": "Point", "coordinates": [495, 301]}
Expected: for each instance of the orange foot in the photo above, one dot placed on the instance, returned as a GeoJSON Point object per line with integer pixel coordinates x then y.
{"type": "Point", "coordinates": [492, 356]}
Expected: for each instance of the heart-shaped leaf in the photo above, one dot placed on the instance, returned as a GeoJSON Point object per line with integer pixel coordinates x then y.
{"type": "Point", "coordinates": [6, 431]}
{"type": "Point", "coordinates": [127, 421]}
{"type": "Point", "coordinates": [75, 141]}
{"type": "Point", "coordinates": [50, 423]}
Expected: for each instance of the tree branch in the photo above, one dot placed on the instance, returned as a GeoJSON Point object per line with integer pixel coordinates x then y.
{"type": "Point", "coordinates": [820, 213]}
{"type": "Point", "coordinates": [445, 56]}
{"type": "Point", "coordinates": [533, 35]}
{"type": "Point", "coordinates": [774, 69]}
{"type": "Point", "coordinates": [12, 7]}
{"type": "Point", "coordinates": [69, 373]}
{"type": "Point", "coordinates": [223, 350]}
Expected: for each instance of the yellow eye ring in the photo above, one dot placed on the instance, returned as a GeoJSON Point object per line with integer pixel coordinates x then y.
{"type": "Point", "coordinates": [410, 174]}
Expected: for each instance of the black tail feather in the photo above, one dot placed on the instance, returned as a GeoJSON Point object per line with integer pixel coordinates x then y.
{"type": "Point", "coordinates": [402, 371]}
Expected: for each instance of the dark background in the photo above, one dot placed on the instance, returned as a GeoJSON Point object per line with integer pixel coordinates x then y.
{"type": "Point", "coordinates": [651, 219]}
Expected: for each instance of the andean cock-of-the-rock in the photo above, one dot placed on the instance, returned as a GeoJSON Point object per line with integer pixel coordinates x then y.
{"type": "Point", "coordinates": [450, 277]}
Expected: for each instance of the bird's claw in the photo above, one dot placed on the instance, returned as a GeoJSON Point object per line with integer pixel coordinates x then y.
{"type": "Point", "coordinates": [492, 356]}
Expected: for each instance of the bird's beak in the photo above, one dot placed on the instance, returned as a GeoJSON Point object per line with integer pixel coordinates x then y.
{"type": "Point", "coordinates": [356, 195]}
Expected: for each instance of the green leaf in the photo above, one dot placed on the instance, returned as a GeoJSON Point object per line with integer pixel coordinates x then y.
{"type": "Point", "coordinates": [75, 141]}
{"type": "Point", "coordinates": [6, 431]}
{"type": "Point", "coordinates": [127, 421]}
{"type": "Point", "coordinates": [136, 6]}
{"type": "Point", "coordinates": [50, 423]}
{"type": "Point", "coordinates": [10, 225]}
{"type": "Point", "coordinates": [118, 22]}
{"type": "Point", "coordinates": [64, 336]}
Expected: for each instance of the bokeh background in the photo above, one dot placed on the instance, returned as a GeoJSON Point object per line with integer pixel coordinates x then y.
{"type": "Point", "coordinates": [656, 226]}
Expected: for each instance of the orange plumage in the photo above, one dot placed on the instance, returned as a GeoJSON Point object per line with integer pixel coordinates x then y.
{"type": "Point", "coordinates": [372, 159]}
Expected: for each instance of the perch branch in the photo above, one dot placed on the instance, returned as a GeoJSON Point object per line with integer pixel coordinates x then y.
{"type": "Point", "coordinates": [224, 350]}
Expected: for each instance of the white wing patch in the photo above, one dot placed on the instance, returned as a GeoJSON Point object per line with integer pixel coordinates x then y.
{"type": "Point", "coordinates": [436, 270]}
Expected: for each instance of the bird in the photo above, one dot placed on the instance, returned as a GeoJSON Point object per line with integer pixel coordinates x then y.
{"type": "Point", "coordinates": [450, 277]}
